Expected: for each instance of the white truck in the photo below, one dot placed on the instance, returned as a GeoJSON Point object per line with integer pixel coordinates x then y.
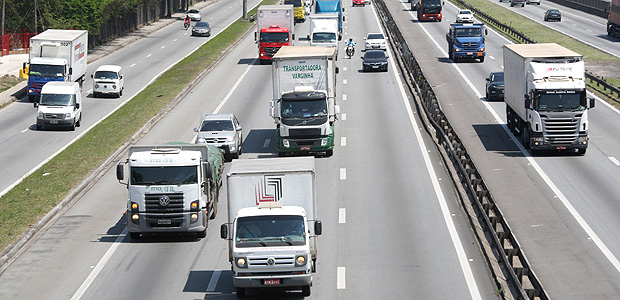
{"type": "Point", "coordinates": [545, 94]}
{"type": "Point", "coordinates": [272, 224]}
{"type": "Point", "coordinates": [304, 99]}
{"type": "Point", "coordinates": [324, 31]}
{"type": "Point", "coordinates": [60, 105]}
{"type": "Point", "coordinates": [275, 28]}
{"type": "Point", "coordinates": [172, 188]}
{"type": "Point", "coordinates": [56, 55]}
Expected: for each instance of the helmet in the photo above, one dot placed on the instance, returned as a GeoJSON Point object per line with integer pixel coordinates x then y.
{"type": "Point", "coordinates": [350, 39]}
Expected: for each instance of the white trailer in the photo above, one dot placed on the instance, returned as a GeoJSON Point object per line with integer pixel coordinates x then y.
{"type": "Point", "coordinates": [304, 99]}
{"type": "Point", "coordinates": [272, 223]}
{"type": "Point", "coordinates": [324, 31]}
{"type": "Point", "coordinates": [545, 94]}
{"type": "Point", "coordinates": [56, 55]}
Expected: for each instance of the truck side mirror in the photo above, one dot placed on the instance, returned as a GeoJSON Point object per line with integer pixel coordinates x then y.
{"type": "Point", "coordinates": [308, 37]}
{"type": "Point", "coordinates": [208, 170]}
{"type": "Point", "coordinates": [340, 37]}
{"type": "Point", "coordinates": [77, 105]}
{"type": "Point", "coordinates": [224, 231]}
{"type": "Point", "coordinates": [528, 101]}
{"type": "Point", "coordinates": [120, 174]}
{"type": "Point", "coordinates": [318, 227]}
{"type": "Point", "coordinates": [486, 32]}
{"type": "Point", "coordinates": [293, 36]}
{"type": "Point", "coordinates": [24, 66]}
{"type": "Point", "coordinates": [36, 104]}
{"type": "Point", "coordinates": [195, 129]}
{"type": "Point", "coordinates": [255, 37]}
{"type": "Point", "coordinates": [592, 102]}
{"type": "Point", "coordinates": [337, 70]}
{"type": "Point", "coordinates": [70, 71]}
{"type": "Point", "coordinates": [91, 75]}
{"type": "Point", "coordinates": [488, 79]}
{"type": "Point", "coordinates": [343, 16]}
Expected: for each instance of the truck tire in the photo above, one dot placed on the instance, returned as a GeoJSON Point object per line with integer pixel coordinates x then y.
{"type": "Point", "coordinates": [214, 208]}
{"type": "Point", "coordinates": [202, 234]}
{"type": "Point", "coordinates": [39, 126]}
{"type": "Point", "coordinates": [581, 151]}
{"type": "Point", "coordinates": [72, 127]}
{"type": "Point", "coordinates": [134, 235]}
{"type": "Point", "coordinates": [525, 136]}
{"type": "Point", "coordinates": [281, 154]}
{"type": "Point", "coordinates": [482, 59]}
{"type": "Point", "coordinates": [240, 292]}
{"type": "Point", "coordinates": [329, 153]}
{"type": "Point", "coordinates": [31, 98]}
{"type": "Point", "coordinates": [79, 121]}
{"type": "Point", "coordinates": [305, 290]}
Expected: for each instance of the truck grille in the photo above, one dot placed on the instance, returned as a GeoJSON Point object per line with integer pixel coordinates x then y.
{"type": "Point", "coordinates": [55, 116]}
{"type": "Point", "coordinates": [279, 261]}
{"type": "Point", "coordinates": [310, 132]}
{"type": "Point", "coordinates": [153, 203]}
{"type": "Point", "coordinates": [561, 131]}
{"type": "Point", "coordinates": [215, 140]}
{"type": "Point", "coordinates": [271, 50]}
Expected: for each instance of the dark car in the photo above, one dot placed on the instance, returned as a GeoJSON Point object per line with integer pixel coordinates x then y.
{"type": "Point", "coordinates": [374, 60]}
{"type": "Point", "coordinates": [202, 29]}
{"type": "Point", "coordinates": [517, 3]}
{"type": "Point", "coordinates": [553, 14]}
{"type": "Point", "coordinates": [495, 86]}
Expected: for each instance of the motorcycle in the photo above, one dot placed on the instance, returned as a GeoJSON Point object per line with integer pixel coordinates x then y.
{"type": "Point", "coordinates": [186, 24]}
{"type": "Point", "coordinates": [350, 51]}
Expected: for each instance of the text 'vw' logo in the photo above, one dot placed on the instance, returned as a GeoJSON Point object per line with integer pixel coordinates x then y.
{"type": "Point", "coordinates": [164, 200]}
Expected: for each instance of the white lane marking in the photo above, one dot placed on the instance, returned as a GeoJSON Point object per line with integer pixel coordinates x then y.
{"type": "Point", "coordinates": [344, 117]}
{"type": "Point", "coordinates": [266, 144]}
{"type": "Point", "coordinates": [340, 278]}
{"type": "Point", "coordinates": [213, 281]}
{"type": "Point", "coordinates": [149, 55]}
{"type": "Point", "coordinates": [344, 97]}
{"type": "Point", "coordinates": [576, 215]}
{"type": "Point", "coordinates": [491, 57]}
{"type": "Point", "coordinates": [217, 109]}
{"type": "Point", "coordinates": [342, 215]}
{"type": "Point", "coordinates": [344, 81]}
{"type": "Point", "coordinates": [474, 291]}
{"type": "Point", "coordinates": [614, 160]}
{"type": "Point", "coordinates": [131, 66]}
{"type": "Point", "coordinates": [344, 68]}
{"type": "Point", "coordinates": [343, 141]}
{"type": "Point", "coordinates": [82, 289]}
{"type": "Point", "coordinates": [162, 47]}
{"type": "Point", "coordinates": [27, 129]}
{"type": "Point", "coordinates": [174, 40]}
{"type": "Point", "coordinates": [343, 173]}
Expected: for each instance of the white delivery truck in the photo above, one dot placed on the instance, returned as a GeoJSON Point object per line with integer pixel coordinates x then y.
{"type": "Point", "coordinates": [60, 105]}
{"type": "Point", "coordinates": [324, 31]}
{"type": "Point", "coordinates": [304, 99]}
{"type": "Point", "coordinates": [275, 28]}
{"type": "Point", "coordinates": [172, 187]}
{"type": "Point", "coordinates": [545, 94]}
{"type": "Point", "coordinates": [272, 223]}
{"type": "Point", "coordinates": [56, 55]}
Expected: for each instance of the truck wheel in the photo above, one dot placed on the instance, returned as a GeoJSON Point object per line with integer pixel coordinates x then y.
{"type": "Point", "coordinates": [235, 155]}
{"type": "Point", "coordinates": [134, 235]}
{"type": "Point", "coordinates": [39, 126]}
{"type": "Point", "coordinates": [240, 292]}
{"type": "Point", "coordinates": [281, 154]}
{"type": "Point", "coordinates": [79, 121]}
{"type": "Point", "coordinates": [201, 234]}
{"type": "Point", "coordinates": [482, 59]}
{"type": "Point", "coordinates": [31, 98]}
{"type": "Point", "coordinates": [525, 136]}
{"type": "Point", "coordinates": [329, 153]}
{"type": "Point", "coordinates": [213, 209]}
{"type": "Point", "coordinates": [581, 151]}
{"type": "Point", "coordinates": [72, 126]}
{"type": "Point", "coordinates": [305, 290]}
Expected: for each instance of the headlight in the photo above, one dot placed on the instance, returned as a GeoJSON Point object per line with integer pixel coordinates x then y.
{"type": "Point", "coordinates": [114, 86]}
{"type": "Point", "coordinates": [241, 263]}
{"type": "Point", "coordinates": [96, 86]}
{"type": "Point", "coordinates": [230, 139]}
{"type": "Point", "coordinates": [538, 139]}
{"type": "Point", "coordinates": [69, 116]}
{"type": "Point", "coordinates": [324, 141]}
{"type": "Point", "coordinates": [300, 260]}
{"type": "Point", "coordinates": [482, 49]}
{"type": "Point", "coordinates": [286, 143]}
{"type": "Point", "coordinates": [582, 139]}
{"type": "Point", "coordinates": [40, 115]}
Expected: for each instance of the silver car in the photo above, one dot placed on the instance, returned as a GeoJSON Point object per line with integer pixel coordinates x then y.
{"type": "Point", "coordinates": [223, 131]}
{"type": "Point", "coordinates": [194, 14]}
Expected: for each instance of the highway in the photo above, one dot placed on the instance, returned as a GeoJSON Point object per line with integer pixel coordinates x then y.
{"type": "Point", "coordinates": [393, 225]}
{"type": "Point", "coordinates": [560, 206]}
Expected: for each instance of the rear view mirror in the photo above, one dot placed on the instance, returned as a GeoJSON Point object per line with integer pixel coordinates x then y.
{"type": "Point", "coordinates": [120, 174]}
{"type": "Point", "coordinates": [224, 231]}
{"type": "Point", "coordinates": [318, 227]}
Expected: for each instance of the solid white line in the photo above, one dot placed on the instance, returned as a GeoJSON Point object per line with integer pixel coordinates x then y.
{"type": "Point", "coordinates": [343, 173]}
{"type": "Point", "coordinates": [149, 55]}
{"type": "Point", "coordinates": [217, 109]}
{"type": "Point", "coordinates": [614, 160]}
{"type": "Point", "coordinates": [93, 274]}
{"type": "Point", "coordinates": [582, 222]}
{"type": "Point", "coordinates": [342, 215]}
{"type": "Point", "coordinates": [343, 141]}
{"type": "Point", "coordinates": [213, 281]}
{"type": "Point", "coordinates": [340, 278]}
{"type": "Point", "coordinates": [474, 291]}
{"type": "Point", "coordinates": [266, 144]}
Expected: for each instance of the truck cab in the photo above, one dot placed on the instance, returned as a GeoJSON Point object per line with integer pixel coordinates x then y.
{"type": "Point", "coordinates": [428, 10]}
{"type": "Point", "coordinates": [60, 105]}
{"type": "Point", "coordinates": [299, 9]}
{"type": "Point", "coordinates": [466, 41]}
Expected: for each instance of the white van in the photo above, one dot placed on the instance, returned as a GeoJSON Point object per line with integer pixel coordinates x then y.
{"type": "Point", "coordinates": [108, 80]}
{"type": "Point", "coordinates": [60, 105]}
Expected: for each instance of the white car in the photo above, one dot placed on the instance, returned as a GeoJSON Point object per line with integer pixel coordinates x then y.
{"type": "Point", "coordinates": [375, 41]}
{"type": "Point", "coordinates": [465, 16]}
{"type": "Point", "coordinates": [194, 14]}
{"type": "Point", "coordinates": [537, 2]}
{"type": "Point", "coordinates": [108, 80]}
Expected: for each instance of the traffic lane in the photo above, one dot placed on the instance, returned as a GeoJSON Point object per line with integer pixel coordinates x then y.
{"type": "Point", "coordinates": [530, 212]}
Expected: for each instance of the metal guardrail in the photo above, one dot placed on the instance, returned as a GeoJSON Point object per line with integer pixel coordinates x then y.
{"type": "Point", "coordinates": [521, 282]}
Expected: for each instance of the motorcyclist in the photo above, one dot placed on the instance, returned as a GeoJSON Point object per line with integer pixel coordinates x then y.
{"type": "Point", "coordinates": [187, 21]}
{"type": "Point", "coordinates": [351, 44]}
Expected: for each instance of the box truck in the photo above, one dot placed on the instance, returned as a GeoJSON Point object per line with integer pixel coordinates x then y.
{"type": "Point", "coordinates": [304, 99]}
{"type": "Point", "coordinates": [56, 55]}
{"type": "Point", "coordinates": [275, 28]}
{"type": "Point", "coordinates": [172, 187]}
{"type": "Point", "coordinates": [545, 95]}
{"type": "Point", "coordinates": [613, 19]}
{"type": "Point", "coordinates": [324, 31]}
{"type": "Point", "coordinates": [60, 105]}
{"type": "Point", "coordinates": [330, 7]}
{"type": "Point", "coordinates": [272, 224]}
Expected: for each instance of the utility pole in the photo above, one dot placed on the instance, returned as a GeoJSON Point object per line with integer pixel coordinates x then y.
{"type": "Point", "coordinates": [3, 2]}
{"type": "Point", "coordinates": [245, 10]}
{"type": "Point", "coordinates": [35, 16]}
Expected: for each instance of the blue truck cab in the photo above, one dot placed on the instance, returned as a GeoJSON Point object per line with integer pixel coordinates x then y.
{"type": "Point", "coordinates": [330, 7]}
{"type": "Point", "coordinates": [466, 41]}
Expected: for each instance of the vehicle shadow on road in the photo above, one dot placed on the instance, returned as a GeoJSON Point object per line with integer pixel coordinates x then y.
{"type": "Point", "coordinates": [495, 139]}
{"type": "Point", "coordinates": [256, 142]}
{"type": "Point", "coordinates": [113, 233]}
{"type": "Point", "coordinates": [248, 61]}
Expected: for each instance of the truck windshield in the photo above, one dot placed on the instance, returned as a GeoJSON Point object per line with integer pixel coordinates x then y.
{"type": "Point", "coordinates": [106, 75]}
{"type": "Point", "coordinates": [296, 3]}
{"type": "Point", "coordinates": [47, 71]}
{"type": "Point", "coordinates": [304, 109]}
{"type": "Point", "coordinates": [263, 231]}
{"type": "Point", "coordinates": [169, 175]}
{"type": "Point", "coordinates": [468, 32]}
{"type": "Point", "coordinates": [217, 125]}
{"type": "Point", "coordinates": [560, 101]}
{"type": "Point", "coordinates": [431, 3]}
{"type": "Point", "coordinates": [56, 100]}
{"type": "Point", "coordinates": [274, 37]}
{"type": "Point", "coordinates": [324, 37]}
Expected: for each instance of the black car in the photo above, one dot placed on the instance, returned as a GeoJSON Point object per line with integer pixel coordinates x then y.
{"type": "Point", "coordinates": [517, 3]}
{"type": "Point", "coordinates": [374, 60]}
{"type": "Point", "coordinates": [202, 29]}
{"type": "Point", "coordinates": [553, 14]}
{"type": "Point", "coordinates": [495, 86]}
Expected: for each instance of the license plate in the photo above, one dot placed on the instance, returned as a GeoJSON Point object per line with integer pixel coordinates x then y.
{"type": "Point", "coordinates": [375, 67]}
{"type": "Point", "coordinates": [470, 53]}
{"type": "Point", "coordinates": [560, 147]}
{"type": "Point", "coordinates": [272, 281]}
{"type": "Point", "coordinates": [305, 148]}
{"type": "Point", "coordinates": [164, 222]}
{"type": "Point", "coordinates": [53, 121]}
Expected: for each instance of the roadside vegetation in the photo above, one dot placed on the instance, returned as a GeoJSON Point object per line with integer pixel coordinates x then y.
{"type": "Point", "coordinates": [37, 194]}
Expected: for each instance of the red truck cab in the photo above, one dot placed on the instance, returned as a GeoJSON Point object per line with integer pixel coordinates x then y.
{"type": "Point", "coordinates": [271, 40]}
{"type": "Point", "coordinates": [359, 2]}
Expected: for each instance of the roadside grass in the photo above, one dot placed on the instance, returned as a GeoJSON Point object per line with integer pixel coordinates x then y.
{"type": "Point", "coordinates": [37, 194]}
{"type": "Point", "coordinates": [9, 81]}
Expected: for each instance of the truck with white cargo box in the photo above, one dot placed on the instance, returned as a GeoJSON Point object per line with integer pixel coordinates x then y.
{"type": "Point", "coordinates": [275, 28]}
{"type": "Point", "coordinates": [613, 19]}
{"type": "Point", "coordinates": [172, 187]}
{"type": "Point", "coordinates": [324, 31]}
{"type": "Point", "coordinates": [545, 94]}
{"type": "Point", "coordinates": [60, 105]}
{"type": "Point", "coordinates": [272, 223]}
{"type": "Point", "coordinates": [304, 99]}
{"type": "Point", "coordinates": [56, 55]}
